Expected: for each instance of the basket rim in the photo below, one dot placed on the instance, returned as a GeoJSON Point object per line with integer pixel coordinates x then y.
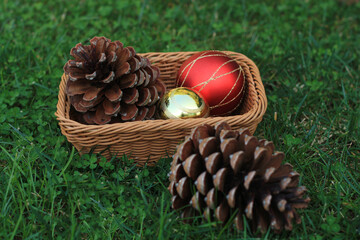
{"type": "Point", "coordinates": [254, 113]}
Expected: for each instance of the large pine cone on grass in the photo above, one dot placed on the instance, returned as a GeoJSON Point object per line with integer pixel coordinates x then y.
{"type": "Point", "coordinates": [226, 174]}
{"type": "Point", "coordinates": [111, 83]}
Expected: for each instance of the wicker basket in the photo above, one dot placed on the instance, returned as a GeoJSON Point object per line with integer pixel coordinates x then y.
{"type": "Point", "coordinates": [148, 141]}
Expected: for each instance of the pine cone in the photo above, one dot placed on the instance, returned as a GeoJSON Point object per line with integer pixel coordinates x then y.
{"type": "Point", "coordinates": [106, 79]}
{"type": "Point", "coordinates": [221, 172]}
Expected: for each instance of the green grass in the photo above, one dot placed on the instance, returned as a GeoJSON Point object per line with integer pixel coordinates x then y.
{"type": "Point", "coordinates": [308, 54]}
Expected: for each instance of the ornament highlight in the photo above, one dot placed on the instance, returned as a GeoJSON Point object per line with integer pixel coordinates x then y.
{"type": "Point", "coordinates": [217, 77]}
{"type": "Point", "coordinates": [182, 103]}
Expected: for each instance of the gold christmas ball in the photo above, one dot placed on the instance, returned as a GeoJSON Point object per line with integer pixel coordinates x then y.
{"type": "Point", "coordinates": [182, 103]}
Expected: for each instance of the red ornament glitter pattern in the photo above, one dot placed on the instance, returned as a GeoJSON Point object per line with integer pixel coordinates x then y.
{"type": "Point", "coordinates": [217, 77]}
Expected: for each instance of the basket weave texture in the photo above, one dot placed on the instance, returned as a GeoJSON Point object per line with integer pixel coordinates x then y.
{"type": "Point", "coordinates": [148, 141]}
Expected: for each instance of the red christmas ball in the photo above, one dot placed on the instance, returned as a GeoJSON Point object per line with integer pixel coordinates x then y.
{"type": "Point", "coordinates": [217, 77]}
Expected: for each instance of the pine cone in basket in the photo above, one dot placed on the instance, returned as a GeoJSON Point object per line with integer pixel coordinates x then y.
{"type": "Point", "coordinates": [219, 172]}
{"type": "Point", "coordinates": [111, 83]}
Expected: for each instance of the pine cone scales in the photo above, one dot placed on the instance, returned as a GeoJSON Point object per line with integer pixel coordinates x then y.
{"type": "Point", "coordinates": [111, 83]}
{"type": "Point", "coordinates": [235, 174]}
